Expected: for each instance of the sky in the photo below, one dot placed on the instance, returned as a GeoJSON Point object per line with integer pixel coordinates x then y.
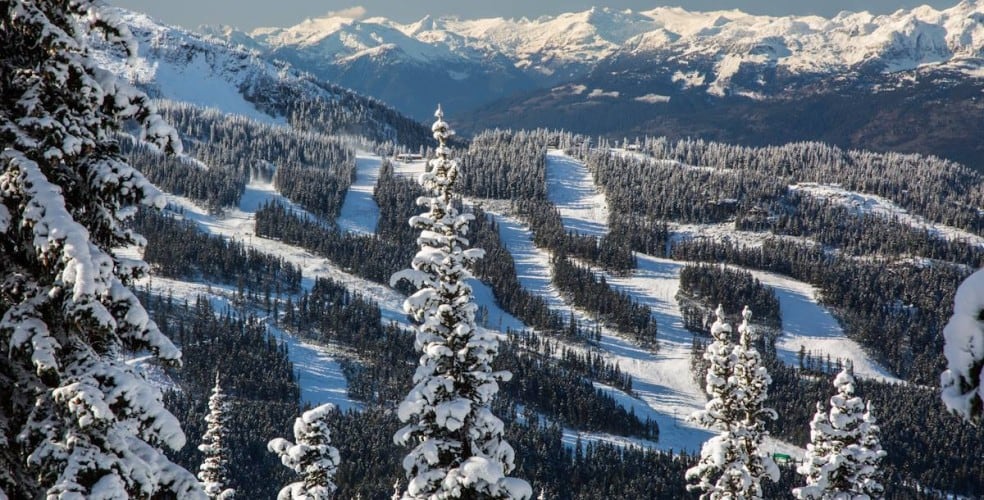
{"type": "Point", "coordinates": [249, 14]}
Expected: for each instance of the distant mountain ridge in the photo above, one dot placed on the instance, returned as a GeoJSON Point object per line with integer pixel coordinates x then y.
{"type": "Point", "coordinates": [712, 50]}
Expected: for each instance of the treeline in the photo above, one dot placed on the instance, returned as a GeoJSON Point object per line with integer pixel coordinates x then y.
{"type": "Point", "coordinates": [183, 176]}
{"type": "Point", "coordinates": [704, 286]}
{"type": "Point", "coordinates": [855, 232]}
{"type": "Point", "coordinates": [223, 152]}
{"type": "Point", "coordinates": [176, 248]}
{"type": "Point", "coordinates": [505, 164]}
{"type": "Point", "coordinates": [367, 256]}
{"type": "Point", "coordinates": [589, 363]}
{"type": "Point", "coordinates": [548, 232]}
{"type": "Point", "coordinates": [330, 313]}
{"type": "Point", "coordinates": [938, 189]}
{"type": "Point", "coordinates": [662, 190]}
{"type": "Point", "coordinates": [255, 374]}
{"type": "Point", "coordinates": [593, 293]}
{"type": "Point", "coordinates": [340, 112]}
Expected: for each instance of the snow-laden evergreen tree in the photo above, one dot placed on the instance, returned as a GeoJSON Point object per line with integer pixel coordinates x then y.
{"type": "Point", "coordinates": [964, 351]}
{"type": "Point", "coordinates": [870, 476]}
{"type": "Point", "coordinates": [731, 464]}
{"type": "Point", "coordinates": [213, 473]}
{"type": "Point", "coordinates": [77, 421]}
{"type": "Point", "coordinates": [843, 455]}
{"type": "Point", "coordinates": [458, 449]}
{"type": "Point", "coordinates": [313, 456]}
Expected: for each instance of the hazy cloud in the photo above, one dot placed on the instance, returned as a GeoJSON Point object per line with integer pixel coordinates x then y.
{"type": "Point", "coordinates": [357, 12]}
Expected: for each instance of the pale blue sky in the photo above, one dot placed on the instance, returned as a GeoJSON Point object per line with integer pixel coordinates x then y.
{"type": "Point", "coordinates": [248, 14]}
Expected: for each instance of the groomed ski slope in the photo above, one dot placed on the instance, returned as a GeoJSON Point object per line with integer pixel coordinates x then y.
{"type": "Point", "coordinates": [359, 212]}
{"type": "Point", "coordinates": [320, 375]}
{"type": "Point", "coordinates": [805, 322]}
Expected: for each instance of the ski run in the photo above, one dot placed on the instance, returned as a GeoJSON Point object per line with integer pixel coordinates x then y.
{"type": "Point", "coordinates": [663, 388]}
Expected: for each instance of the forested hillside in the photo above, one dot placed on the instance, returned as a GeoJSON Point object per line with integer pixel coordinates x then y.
{"type": "Point", "coordinates": [315, 283]}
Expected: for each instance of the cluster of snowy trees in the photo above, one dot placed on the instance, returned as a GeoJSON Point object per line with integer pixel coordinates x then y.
{"type": "Point", "coordinates": [590, 292]}
{"type": "Point", "coordinates": [313, 170]}
{"type": "Point", "coordinates": [181, 250]}
{"type": "Point", "coordinates": [75, 419]}
{"type": "Point", "coordinates": [843, 457]}
{"type": "Point", "coordinates": [702, 285]}
{"type": "Point", "coordinates": [939, 189]}
{"type": "Point", "coordinates": [549, 232]}
{"type": "Point", "coordinates": [856, 233]}
{"type": "Point", "coordinates": [915, 420]}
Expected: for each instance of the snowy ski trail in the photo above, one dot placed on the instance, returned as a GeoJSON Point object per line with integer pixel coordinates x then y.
{"type": "Point", "coordinates": [320, 375]}
{"type": "Point", "coordinates": [359, 212]}
{"type": "Point", "coordinates": [805, 321]}
{"type": "Point", "coordinates": [582, 207]}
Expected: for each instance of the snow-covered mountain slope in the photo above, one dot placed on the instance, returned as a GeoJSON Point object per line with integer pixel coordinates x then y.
{"type": "Point", "coordinates": [718, 45]}
{"type": "Point", "coordinates": [656, 282]}
{"type": "Point", "coordinates": [385, 60]}
{"type": "Point", "coordinates": [902, 40]}
{"type": "Point", "coordinates": [179, 65]}
{"type": "Point", "coordinates": [877, 205]}
{"type": "Point", "coordinates": [724, 75]}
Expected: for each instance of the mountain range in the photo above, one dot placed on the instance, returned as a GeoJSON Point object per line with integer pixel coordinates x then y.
{"type": "Point", "coordinates": [906, 81]}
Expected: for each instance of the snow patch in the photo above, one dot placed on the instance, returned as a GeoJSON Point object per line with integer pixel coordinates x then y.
{"type": "Point", "coordinates": [597, 93]}
{"type": "Point", "coordinates": [689, 79]}
{"type": "Point", "coordinates": [653, 99]}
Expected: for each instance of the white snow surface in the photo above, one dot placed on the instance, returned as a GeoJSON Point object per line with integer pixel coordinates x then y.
{"type": "Point", "coordinates": [807, 323]}
{"type": "Point", "coordinates": [170, 65]}
{"type": "Point", "coordinates": [359, 213]}
{"type": "Point", "coordinates": [319, 373]}
{"type": "Point", "coordinates": [571, 188]}
{"type": "Point", "coordinates": [877, 205]}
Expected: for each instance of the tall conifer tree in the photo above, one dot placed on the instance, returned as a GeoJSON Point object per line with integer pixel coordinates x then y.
{"type": "Point", "coordinates": [213, 473]}
{"type": "Point", "coordinates": [458, 449]}
{"type": "Point", "coordinates": [731, 463]}
{"type": "Point", "coordinates": [842, 459]}
{"type": "Point", "coordinates": [311, 455]}
{"type": "Point", "coordinates": [77, 421]}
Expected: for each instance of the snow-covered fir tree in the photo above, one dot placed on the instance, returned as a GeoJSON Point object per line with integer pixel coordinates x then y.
{"type": "Point", "coordinates": [311, 455]}
{"type": "Point", "coordinates": [458, 449]}
{"type": "Point", "coordinates": [731, 464]}
{"type": "Point", "coordinates": [77, 421]}
{"type": "Point", "coordinates": [870, 476]}
{"type": "Point", "coordinates": [963, 392]}
{"type": "Point", "coordinates": [213, 473]}
{"type": "Point", "coordinates": [842, 459]}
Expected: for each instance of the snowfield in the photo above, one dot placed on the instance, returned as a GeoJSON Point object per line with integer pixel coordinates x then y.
{"type": "Point", "coordinates": [806, 323]}
{"type": "Point", "coordinates": [581, 206]}
{"type": "Point", "coordinates": [359, 211]}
